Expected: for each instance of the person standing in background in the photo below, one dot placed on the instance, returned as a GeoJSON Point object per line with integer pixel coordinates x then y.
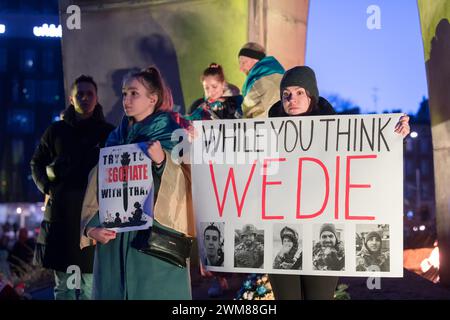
{"type": "Point", "coordinates": [262, 85]}
{"type": "Point", "coordinates": [60, 166]}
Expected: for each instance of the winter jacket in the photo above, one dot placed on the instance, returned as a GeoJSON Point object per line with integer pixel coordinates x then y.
{"type": "Point", "coordinates": [367, 260]}
{"type": "Point", "coordinates": [120, 271]}
{"type": "Point", "coordinates": [229, 108]}
{"type": "Point", "coordinates": [303, 286]}
{"type": "Point", "coordinates": [262, 88]}
{"type": "Point", "coordinates": [60, 166]}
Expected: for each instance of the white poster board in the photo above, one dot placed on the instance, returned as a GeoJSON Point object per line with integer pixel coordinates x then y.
{"type": "Point", "coordinates": [323, 193]}
{"type": "Point", "coordinates": [125, 188]}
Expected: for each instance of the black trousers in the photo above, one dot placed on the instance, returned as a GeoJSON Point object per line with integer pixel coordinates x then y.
{"type": "Point", "coordinates": [299, 287]}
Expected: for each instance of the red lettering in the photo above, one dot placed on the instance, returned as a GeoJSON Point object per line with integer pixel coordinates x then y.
{"type": "Point", "coordinates": [145, 172]}
{"type": "Point", "coordinates": [136, 172]}
{"type": "Point", "coordinates": [348, 185]}
{"type": "Point", "coordinates": [264, 184]}
{"type": "Point", "coordinates": [129, 173]}
{"type": "Point", "coordinates": [115, 173]}
{"type": "Point", "coordinates": [299, 215]}
{"type": "Point", "coordinates": [239, 204]}
{"type": "Point", "coordinates": [123, 174]}
{"type": "Point", "coordinates": [336, 192]}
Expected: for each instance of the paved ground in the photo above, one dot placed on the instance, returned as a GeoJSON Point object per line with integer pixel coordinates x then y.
{"type": "Point", "coordinates": [410, 287]}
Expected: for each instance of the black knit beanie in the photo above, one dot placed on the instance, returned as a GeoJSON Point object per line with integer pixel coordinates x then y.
{"type": "Point", "coordinates": [301, 76]}
{"type": "Point", "coordinates": [328, 227]}
{"type": "Point", "coordinates": [371, 235]}
{"type": "Point", "coordinates": [289, 233]}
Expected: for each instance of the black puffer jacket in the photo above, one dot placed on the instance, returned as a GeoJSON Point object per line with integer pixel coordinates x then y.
{"type": "Point", "coordinates": [60, 166]}
{"type": "Point", "coordinates": [231, 109]}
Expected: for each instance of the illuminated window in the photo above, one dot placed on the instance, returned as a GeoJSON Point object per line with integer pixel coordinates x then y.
{"type": "Point", "coordinates": [46, 30]}
{"type": "Point", "coordinates": [29, 91]}
{"type": "Point", "coordinates": [20, 121]}
{"type": "Point", "coordinates": [28, 60]}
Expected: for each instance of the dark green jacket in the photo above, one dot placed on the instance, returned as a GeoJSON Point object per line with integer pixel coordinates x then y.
{"type": "Point", "coordinates": [120, 271]}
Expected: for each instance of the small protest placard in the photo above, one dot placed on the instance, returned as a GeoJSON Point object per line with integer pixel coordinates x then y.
{"type": "Point", "coordinates": [125, 190]}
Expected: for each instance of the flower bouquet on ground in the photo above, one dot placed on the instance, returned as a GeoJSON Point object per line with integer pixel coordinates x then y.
{"type": "Point", "coordinates": [255, 287]}
{"type": "Point", "coordinates": [29, 278]}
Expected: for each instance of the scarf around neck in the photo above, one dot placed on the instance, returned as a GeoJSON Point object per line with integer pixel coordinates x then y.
{"type": "Point", "coordinates": [264, 67]}
{"type": "Point", "coordinates": [157, 126]}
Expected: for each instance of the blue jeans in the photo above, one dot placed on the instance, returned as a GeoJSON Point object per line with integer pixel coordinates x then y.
{"type": "Point", "coordinates": [62, 291]}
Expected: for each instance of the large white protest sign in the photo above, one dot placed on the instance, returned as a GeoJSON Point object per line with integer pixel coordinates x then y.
{"type": "Point", "coordinates": [125, 188]}
{"type": "Point", "coordinates": [319, 195]}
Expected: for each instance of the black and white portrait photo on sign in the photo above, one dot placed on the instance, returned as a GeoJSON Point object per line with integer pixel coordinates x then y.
{"type": "Point", "coordinates": [249, 247]}
{"type": "Point", "coordinates": [213, 253]}
{"type": "Point", "coordinates": [372, 247]}
{"type": "Point", "coordinates": [328, 247]}
{"type": "Point", "coordinates": [287, 247]}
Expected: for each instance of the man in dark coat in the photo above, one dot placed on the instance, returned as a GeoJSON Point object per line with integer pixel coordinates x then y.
{"type": "Point", "coordinates": [68, 150]}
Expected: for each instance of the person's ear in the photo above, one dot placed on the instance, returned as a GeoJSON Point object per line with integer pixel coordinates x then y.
{"type": "Point", "coordinates": [72, 100]}
{"type": "Point", "coordinates": [153, 99]}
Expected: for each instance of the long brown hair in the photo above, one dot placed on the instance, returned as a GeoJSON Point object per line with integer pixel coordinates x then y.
{"type": "Point", "coordinates": [313, 104]}
{"type": "Point", "coordinates": [152, 80]}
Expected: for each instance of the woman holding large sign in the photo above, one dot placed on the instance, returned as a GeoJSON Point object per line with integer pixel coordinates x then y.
{"type": "Point", "coordinates": [300, 97]}
{"type": "Point", "coordinates": [121, 271]}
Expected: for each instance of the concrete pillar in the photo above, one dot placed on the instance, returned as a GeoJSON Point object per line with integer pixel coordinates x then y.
{"type": "Point", "coordinates": [434, 19]}
{"type": "Point", "coordinates": [280, 26]}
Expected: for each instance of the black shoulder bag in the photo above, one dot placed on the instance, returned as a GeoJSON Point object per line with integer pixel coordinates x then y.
{"type": "Point", "coordinates": [165, 244]}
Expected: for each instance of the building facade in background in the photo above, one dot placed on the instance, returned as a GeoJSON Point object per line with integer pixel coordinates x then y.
{"type": "Point", "coordinates": [31, 90]}
{"type": "Point", "coordinates": [419, 186]}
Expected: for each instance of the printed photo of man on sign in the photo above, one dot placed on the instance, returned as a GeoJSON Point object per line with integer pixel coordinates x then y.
{"type": "Point", "coordinates": [249, 247]}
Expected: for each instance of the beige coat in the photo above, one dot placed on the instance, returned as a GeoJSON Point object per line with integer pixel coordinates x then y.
{"type": "Point", "coordinates": [264, 93]}
{"type": "Point", "coordinates": [173, 207]}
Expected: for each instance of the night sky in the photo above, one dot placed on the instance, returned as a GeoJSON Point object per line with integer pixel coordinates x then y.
{"type": "Point", "coordinates": [350, 60]}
